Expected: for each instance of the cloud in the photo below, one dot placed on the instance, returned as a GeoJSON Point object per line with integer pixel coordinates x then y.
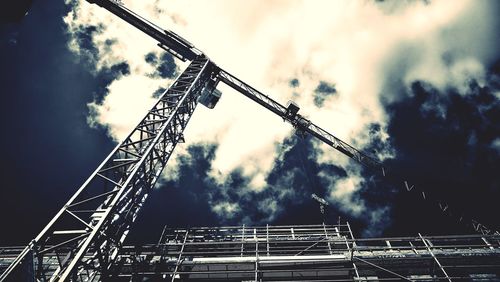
{"type": "Point", "coordinates": [343, 192]}
{"type": "Point", "coordinates": [496, 145]}
{"type": "Point", "coordinates": [164, 64]}
{"type": "Point", "coordinates": [452, 143]}
{"type": "Point", "coordinates": [232, 200]}
{"type": "Point", "coordinates": [295, 175]}
{"type": "Point", "coordinates": [225, 209]}
{"type": "Point", "coordinates": [322, 92]}
{"type": "Point", "coordinates": [118, 112]}
{"type": "Point", "coordinates": [369, 53]}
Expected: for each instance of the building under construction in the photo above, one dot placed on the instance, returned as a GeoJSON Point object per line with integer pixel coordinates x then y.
{"type": "Point", "coordinates": [85, 239]}
{"type": "Point", "coordinates": [293, 253]}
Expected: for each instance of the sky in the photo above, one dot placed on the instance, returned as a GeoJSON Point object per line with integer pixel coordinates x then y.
{"type": "Point", "coordinates": [416, 84]}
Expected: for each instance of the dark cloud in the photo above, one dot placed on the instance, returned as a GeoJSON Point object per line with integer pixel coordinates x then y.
{"type": "Point", "coordinates": [106, 76]}
{"type": "Point", "coordinates": [322, 92]}
{"type": "Point", "coordinates": [376, 144]}
{"type": "Point", "coordinates": [89, 53]}
{"type": "Point", "coordinates": [443, 137]}
{"type": "Point", "coordinates": [180, 203]}
{"type": "Point", "coordinates": [443, 142]}
{"type": "Point", "coordinates": [195, 195]}
{"type": "Point", "coordinates": [151, 58]}
{"type": "Point", "coordinates": [289, 187]}
{"type": "Point", "coordinates": [165, 65]}
{"type": "Point", "coordinates": [294, 83]}
{"type": "Point", "coordinates": [397, 6]}
{"type": "Point", "coordinates": [158, 92]}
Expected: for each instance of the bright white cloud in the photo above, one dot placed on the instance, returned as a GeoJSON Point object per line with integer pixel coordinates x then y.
{"type": "Point", "coordinates": [225, 209]}
{"type": "Point", "coordinates": [342, 192]}
{"type": "Point", "coordinates": [121, 111]}
{"type": "Point", "coordinates": [267, 43]}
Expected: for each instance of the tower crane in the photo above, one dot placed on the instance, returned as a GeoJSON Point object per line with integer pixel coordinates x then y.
{"type": "Point", "coordinates": [89, 230]}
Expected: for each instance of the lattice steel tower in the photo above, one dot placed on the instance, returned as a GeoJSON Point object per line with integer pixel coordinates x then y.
{"type": "Point", "coordinates": [84, 241]}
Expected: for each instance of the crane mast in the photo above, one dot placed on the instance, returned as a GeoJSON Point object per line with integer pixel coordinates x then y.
{"type": "Point", "coordinates": [87, 233]}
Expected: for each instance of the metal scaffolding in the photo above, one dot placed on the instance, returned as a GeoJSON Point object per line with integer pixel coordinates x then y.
{"type": "Point", "coordinates": [300, 253]}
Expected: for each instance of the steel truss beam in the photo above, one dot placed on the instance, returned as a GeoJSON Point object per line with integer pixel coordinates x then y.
{"type": "Point", "coordinates": [87, 233]}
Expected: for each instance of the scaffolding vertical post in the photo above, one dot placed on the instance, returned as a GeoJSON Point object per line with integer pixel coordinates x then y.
{"type": "Point", "coordinates": [356, 272]}
{"type": "Point", "coordinates": [350, 249]}
{"type": "Point", "coordinates": [256, 256]}
{"type": "Point", "coordinates": [434, 257]}
{"type": "Point", "coordinates": [161, 236]}
{"type": "Point", "coordinates": [242, 240]}
{"type": "Point", "coordinates": [413, 247]}
{"type": "Point", "coordinates": [327, 240]}
{"type": "Point", "coordinates": [267, 238]}
{"type": "Point", "coordinates": [350, 233]}
{"type": "Point", "coordinates": [180, 255]}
